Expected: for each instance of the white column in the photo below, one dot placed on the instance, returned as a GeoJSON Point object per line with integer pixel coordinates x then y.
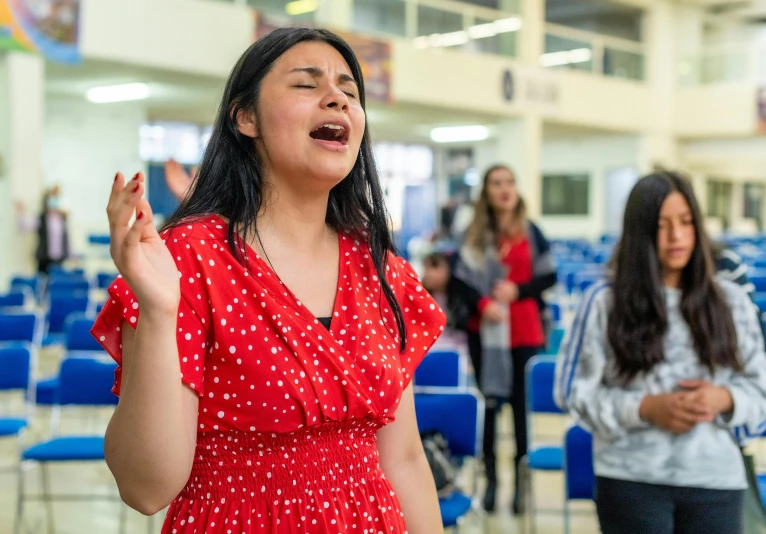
{"type": "Point", "coordinates": [336, 14]}
{"type": "Point", "coordinates": [531, 44]}
{"type": "Point", "coordinates": [22, 79]}
{"type": "Point", "coordinates": [519, 145]}
{"type": "Point", "coordinates": [659, 144]}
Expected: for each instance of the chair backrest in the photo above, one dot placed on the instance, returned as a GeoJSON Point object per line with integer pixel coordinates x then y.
{"type": "Point", "coordinates": [555, 339]}
{"type": "Point", "coordinates": [73, 285]}
{"type": "Point", "coordinates": [15, 366]}
{"type": "Point", "coordinates": [23, 326]}
{"type": "Point", "coordinates": [541, 374]}
{"type": "Point", "coordinates": [104, 280]}
{"type": "Point", "coordinates": [63, 305]}
{"type": "Point", "coordinates": [87, 382]}
{"type": "Point", "coordinates": [34, 283]}
{"type": "Point", "coordinates": [16, 298]}
{"type": "Point", "coordinates": [58, 270]}
{"type": "Point", "coordinates": [78, 336]}
{"type": "Point", "coordinates": [457, 414]}
{"type": "Point", "coordinates": [580, 478]}
{"type": "Point", "coordinates": [440, 368]}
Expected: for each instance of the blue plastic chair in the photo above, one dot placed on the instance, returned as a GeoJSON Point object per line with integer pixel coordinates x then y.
{"type": "Point", "coordinates": [555, 313]}
{"type": "Point", "coordinates": [58, 270]}
{"type": "Point", "coordinates": [579, 477]}
{"type": "Point", "coordinates": [77, 342]}
{"type": "Point", "coordinates": [33, 283]}
{"type": "Point", "coordinates": [61, 307]}
{"type": "Point", "coordinates": [84, 382]}
{"type": "Point", "coordinates": [540, 378]}
{"type": "Point", "coordinates": [21, 327]}
{"type": "Point", "coordinates": [758, 279]}
{"type": "Point", "coordinates": [459, 416]}
{"type": "Point", "coordinates": [68, 285]}
{"type": "Point", "coordinates": [16, 376]}
{"type": "Point", "coordinates": [555, 340]}
{"type": "Point", "coordinates": [17, 298]}
{"type": "Point", "coordinates": [104, 280]}
{"type": "Point", "coordinates": [441, 368]}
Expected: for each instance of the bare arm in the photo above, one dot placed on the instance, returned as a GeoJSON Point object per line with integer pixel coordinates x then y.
{"type": "Point", "coordinates": [151, 438]}
{"type": "Point", "coordinates": [404, 463]}
{"type": "Point", "coordinates": [150, 441]}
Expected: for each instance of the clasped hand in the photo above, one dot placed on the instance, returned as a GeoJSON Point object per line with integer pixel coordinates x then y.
{"type": "Point", "coordinates": [679, 412]}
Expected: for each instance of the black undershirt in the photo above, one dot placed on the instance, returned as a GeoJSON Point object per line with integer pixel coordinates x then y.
{"type": "Point", "coordinates": [326, 321]}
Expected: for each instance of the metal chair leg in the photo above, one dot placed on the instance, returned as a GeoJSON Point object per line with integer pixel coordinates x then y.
{"type": "Point", "coordinates": [123, 517]}
{"type": "Point", "coordinates": [19, 520]}
{"type": "Point", "coordinates": [566, 515]}
{"type": "Point", "coordinates": [47, 498]}
{"type": "Point", "coordinates": [531, 497]}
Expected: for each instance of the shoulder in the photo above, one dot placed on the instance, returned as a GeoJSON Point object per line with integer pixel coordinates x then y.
{"type": "Point", "coordinates": [597, 300]}
{"type": "Point", "coordinates": [735, 294]}
{"type": "Point", "coordinates": [197, 238]}
{"type": "Point", "coordinates": [728, 260]}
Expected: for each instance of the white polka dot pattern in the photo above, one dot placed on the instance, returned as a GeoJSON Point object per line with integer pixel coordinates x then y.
{"type": "Point", "coordinates": [288, 410]}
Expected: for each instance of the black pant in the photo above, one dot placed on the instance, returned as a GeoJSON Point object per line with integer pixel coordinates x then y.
{"type": "Point", "coordinates": [44, 265]}
{"type": "Point", "coordinates": [640, 508]}
{"type": "Point", "coordinates": [519, 358]}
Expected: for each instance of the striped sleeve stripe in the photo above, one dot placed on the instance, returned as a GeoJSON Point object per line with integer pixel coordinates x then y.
{"type": "Point", "coordinates": [575, 340]}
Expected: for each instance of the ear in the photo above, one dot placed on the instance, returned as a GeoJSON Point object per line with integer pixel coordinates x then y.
{"type": "Point", "coordinates": [246, 123]}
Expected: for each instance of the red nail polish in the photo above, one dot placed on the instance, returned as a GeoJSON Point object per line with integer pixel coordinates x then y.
{"type": "Point", "coordinates": [136, 176]}
{"type": "Point", "coordinates": [136, 187]}
{"type": "Point", "coordinates": [140, 215]}
{"type": "Point", "coordinates": [116, 176]}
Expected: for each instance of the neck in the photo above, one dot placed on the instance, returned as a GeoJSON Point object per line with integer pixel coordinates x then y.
{"type": "Point", "coordinates": [294, 218]}
{"type": "Point", "coordinates": [506, 222]}
{"type": "Point", "coordinates": [672, 279]}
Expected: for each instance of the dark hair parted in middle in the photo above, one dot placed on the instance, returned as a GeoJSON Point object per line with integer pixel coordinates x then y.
{"type": "Point", "coordinates": [638, 320]}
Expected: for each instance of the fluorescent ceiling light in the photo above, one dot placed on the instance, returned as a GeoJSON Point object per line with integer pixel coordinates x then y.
{"type": "Point", "coordinates": [301, 7]}
{"type": "Point", "coordinates": [477, 31]}
{"type": "Point", "coordinates": [118, 93]}
{"type": "Point", "coordinates": [566, 57]}
{"type": "Point", "coordinates": [459, 134]}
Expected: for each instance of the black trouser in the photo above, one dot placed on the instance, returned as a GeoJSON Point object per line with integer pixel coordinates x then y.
{"type": "Point", "coordinates": [43, 266]}
{"type": "Point", "coordinates": [640, 508]}
{"type": "Point", "coordinates": [519, 358]}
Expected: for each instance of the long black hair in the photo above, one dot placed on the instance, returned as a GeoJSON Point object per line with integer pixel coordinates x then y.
{"type": "Point", "coordinates": [230, 180]}
{"type": "Point", "coordinates": [638, 320]}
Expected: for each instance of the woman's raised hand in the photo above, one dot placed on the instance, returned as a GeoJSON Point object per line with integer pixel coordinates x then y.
{"type": "Point", "coordinates": [138, 250]}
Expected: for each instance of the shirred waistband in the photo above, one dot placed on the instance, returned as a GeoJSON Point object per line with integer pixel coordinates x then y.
{"type": "Point", "coordinates": [283, 465]}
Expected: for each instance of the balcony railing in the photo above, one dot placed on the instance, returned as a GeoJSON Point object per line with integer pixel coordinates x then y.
{"type": "Point", "coordinates": [591, 52]}
{"type": "Point", "coordinates": [731, 63]}
{"type": "Point", "coordinates": [458, 25]}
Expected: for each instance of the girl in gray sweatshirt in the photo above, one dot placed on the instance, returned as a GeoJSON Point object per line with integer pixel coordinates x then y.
{"type": "Point", "coordinates": [664, 365]}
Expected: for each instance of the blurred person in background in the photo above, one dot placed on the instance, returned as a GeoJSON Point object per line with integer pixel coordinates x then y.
{"type": "Point", "coordinates": [666, 363]}
{"type": "Point", "coordinates": [459, 301]}
{"type": "Point", "coordinates": [267, 338]}
{"type": "Point", "coordinates": [50, 225]}
{"type": "Point", "coordinates": [500, 232]}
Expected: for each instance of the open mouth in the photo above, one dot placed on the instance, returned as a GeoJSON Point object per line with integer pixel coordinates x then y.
{"type": "Point", "coordinates": [331, 133]}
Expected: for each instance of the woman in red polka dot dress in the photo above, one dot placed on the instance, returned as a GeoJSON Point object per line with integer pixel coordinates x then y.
{"type": "Point", "coordinates": [274, 295]}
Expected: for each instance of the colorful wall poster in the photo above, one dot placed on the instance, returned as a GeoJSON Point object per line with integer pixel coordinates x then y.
{"type": "Point", "coordinates": [374, 55]}
{"type": "Point", "coordinates": [46, 27]}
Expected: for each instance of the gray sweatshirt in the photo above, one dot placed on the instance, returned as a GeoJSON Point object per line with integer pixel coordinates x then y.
{"type": "Point", "coordinates": [627, 448]}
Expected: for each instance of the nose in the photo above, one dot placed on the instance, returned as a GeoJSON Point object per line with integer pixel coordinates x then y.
{"type": "Point", "coordinates": [335, 99]}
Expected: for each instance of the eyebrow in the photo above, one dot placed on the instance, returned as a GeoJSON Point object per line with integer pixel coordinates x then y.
{"type": "Point", "coordinates": [316, 72]}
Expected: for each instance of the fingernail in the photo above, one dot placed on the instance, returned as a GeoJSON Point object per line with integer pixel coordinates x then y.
{"type": "Point", "coordinates": [136, 187]}
{"type": "Point", "coordinates": [116, 176]}
{"type": "Point", "coordinates": [140, 215]}
{"type": "Point", "coordinates": [136, 176]}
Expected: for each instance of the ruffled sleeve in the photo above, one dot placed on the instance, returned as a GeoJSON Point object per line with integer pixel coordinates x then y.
{"type": "Point", "coordinates": [191, 328]}
{"type": "Point", "coordinates": [423, 317]}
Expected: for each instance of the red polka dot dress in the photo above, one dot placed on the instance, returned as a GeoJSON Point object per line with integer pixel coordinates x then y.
{"type": "Point", "coordinates": [288, 410]}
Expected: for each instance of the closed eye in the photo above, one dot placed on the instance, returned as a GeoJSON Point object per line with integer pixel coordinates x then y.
{"type": "Point", "coordinates": [305, 86]}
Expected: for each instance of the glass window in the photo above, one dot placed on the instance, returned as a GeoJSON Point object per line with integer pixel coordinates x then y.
{"type": "Point", "coordinates": [719, 201]}
{"type": "Point", "coordinates": [380, 16]}
{"type": "Point", "coordinates": [183, 142]}
{"type": "Point", "coordinates": [753, 209]}
{"type": "Point", "coordinates": [566, 194]}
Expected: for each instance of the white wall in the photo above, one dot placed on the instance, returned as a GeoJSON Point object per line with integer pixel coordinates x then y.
{"type": "Point", "coordinates": [85, 145]}
{"type": "Point", "coordinates": [587, 154]}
